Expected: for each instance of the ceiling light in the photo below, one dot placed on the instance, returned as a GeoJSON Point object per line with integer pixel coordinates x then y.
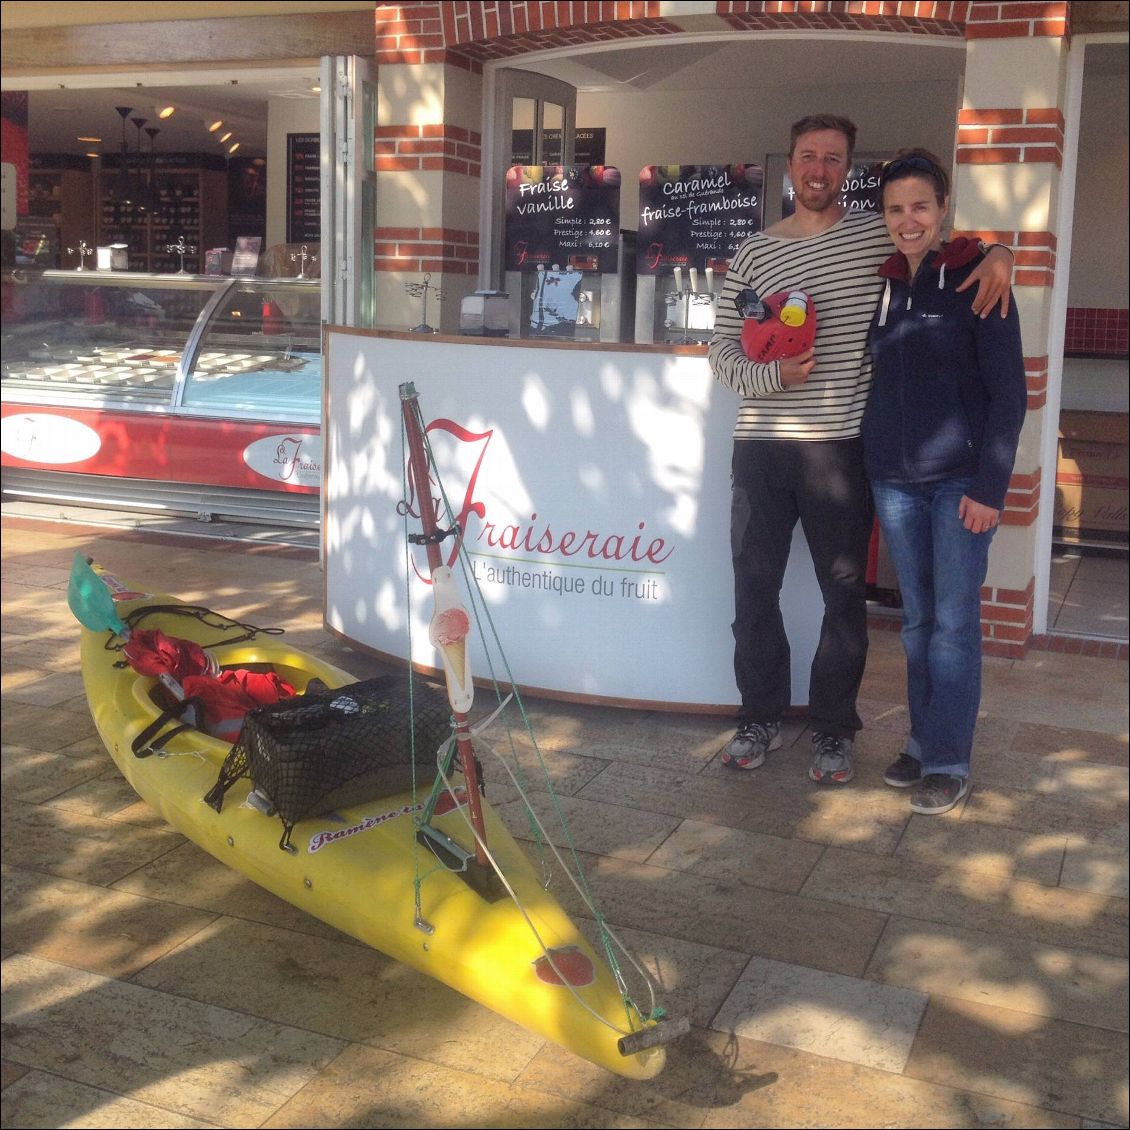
{"type": "Point", "coordinates": [89, 140]}
{"type": "Point", "coordinates": [315, 89]}
{"type": "Point", "coordinates": [166, 112]}
{"type": "Point", "coordinates": [225, 137]}
{"type": "Point", "coordinates": [234, 147]}
{"type": "Point", "coordinates": [94, 154]}
{"type": "Point", "coordinates": [215, 125]}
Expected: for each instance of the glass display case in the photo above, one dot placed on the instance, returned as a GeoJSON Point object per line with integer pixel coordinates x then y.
{"type": "Point", "coordinates": [204, 346]}
{"type": "Point", "coordinates": [182, 392]}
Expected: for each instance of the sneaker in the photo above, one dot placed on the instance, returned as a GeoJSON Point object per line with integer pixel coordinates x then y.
{"type": "Point", "coordinates": [938, 793]}
{"type": "Point", "coordinates": [903, 772]}
{"type": "Point", "coordinates": [831, 759]}
{"type": "Point", "coordinates": [748, 747]}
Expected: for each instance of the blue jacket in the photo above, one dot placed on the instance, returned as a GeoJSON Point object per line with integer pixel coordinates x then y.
{"type": "Point", "coordinates": [948, 395]}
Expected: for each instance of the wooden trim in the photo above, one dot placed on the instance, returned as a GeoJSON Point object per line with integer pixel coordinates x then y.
{"type": "Point", "coordinates": [244, 39]}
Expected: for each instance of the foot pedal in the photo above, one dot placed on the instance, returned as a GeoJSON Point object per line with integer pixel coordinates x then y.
{"type": "Point", "coordinates": [482, 880]}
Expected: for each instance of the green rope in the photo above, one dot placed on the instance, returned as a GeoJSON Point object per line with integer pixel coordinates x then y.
{"type": "Point", "coordinates": [478, 602]}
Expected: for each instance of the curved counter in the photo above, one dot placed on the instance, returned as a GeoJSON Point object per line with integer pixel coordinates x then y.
{"type": "Point", "coordinates": [592, 486]}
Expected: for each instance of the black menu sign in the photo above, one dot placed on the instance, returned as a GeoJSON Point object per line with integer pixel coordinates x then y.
{"type": "Point", "coordinates": [696, 215]}
{"type": "Point", "coordinates": [303, 188]}
{"type": "Point", "coordinates": [563, 214]}
{"type": "Point", "coordinates": [861, 190]}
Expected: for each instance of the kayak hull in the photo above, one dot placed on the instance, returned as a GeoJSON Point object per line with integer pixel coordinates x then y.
{"type": "Point", "coordinates": [357, 869]}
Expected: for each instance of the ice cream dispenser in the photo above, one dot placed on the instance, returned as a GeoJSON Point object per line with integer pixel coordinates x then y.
{"type": "Point", "coordinates": [679, 305]}
{"type": "Point", "coordinates": [573, 300]}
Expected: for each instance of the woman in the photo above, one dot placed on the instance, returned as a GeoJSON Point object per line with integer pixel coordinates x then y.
{"type": "Point", "coordinates": [940, 434]}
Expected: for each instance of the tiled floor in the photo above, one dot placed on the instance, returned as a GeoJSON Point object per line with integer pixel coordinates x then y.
{"type": "Point", "coordinates": [1088, 594]}
{"type": "Point", "coordinates": [843, 963]}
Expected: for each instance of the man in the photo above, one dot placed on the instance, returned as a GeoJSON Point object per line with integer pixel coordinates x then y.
{"type": "Point", "coordinates": [797, 451]}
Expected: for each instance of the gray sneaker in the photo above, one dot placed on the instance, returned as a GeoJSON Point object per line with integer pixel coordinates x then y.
{"type": "Point", "coordinates": [831, 759]}
{"type": "Point", "coordinates": [748, 747]}
{"type": "Point", "coordinates": [938, 793]}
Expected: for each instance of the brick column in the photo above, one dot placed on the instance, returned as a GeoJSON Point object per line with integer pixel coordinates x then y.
{"type": "Point", "coordinates": [1009, 164]}
{"type": "Point", "coordinates": [428, 163]}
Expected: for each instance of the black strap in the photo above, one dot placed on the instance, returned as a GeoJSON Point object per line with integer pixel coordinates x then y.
{"type": "Point", "coordinates": [148, 743]}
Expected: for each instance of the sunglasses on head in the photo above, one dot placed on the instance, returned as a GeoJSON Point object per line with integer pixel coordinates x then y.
{"type": "Point", "coordinates": [907, 164]}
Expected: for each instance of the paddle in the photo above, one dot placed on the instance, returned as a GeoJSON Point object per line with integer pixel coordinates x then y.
{"type": "Point", "coordinates": [90, 600]}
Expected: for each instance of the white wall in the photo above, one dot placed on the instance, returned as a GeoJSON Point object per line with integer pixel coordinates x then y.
{"type": "Point", "coordinates": [1099, 242]}
{"type": "Point", "coordinates": [652, 127]}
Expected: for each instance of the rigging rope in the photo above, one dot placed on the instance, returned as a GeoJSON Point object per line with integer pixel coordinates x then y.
{"type": "Point", "coordinates": [481, 611]}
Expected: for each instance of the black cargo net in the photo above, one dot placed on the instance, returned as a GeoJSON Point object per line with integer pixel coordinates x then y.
{"type": "Point", "coordinates": [326, 750]}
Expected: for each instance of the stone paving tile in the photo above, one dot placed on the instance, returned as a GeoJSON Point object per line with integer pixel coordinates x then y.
{"type": "Point", "coordinates": [36, 688]}
{"type": "Point", "coordinates": [1038, 812]}
{"type": "Point", "coordinates": [1096, 690]}
{"type": "Point", "coordinates": [1064, 743]}
{"type": "Point", "coordinates": [729, 853]}
{"type": "Point", "coordinates": [566, 773]}
{"type": "Point", "coordinates": [1102, 869]}
{"type": "Point", "coordinates": [967, 846]}
{"type": "Point", "coordinates": [339, 989]}
{"type": "Point", "coordinates": [107, 932]}
{"type": "Point", "coordinates": [996, 904]}
{"type": "Point", "coordinates": [1005, 937]}
{"type": "Point", "coordinates": [75, 846]}
{"type": "Point", "coordinates": [34, 776]}
{"type": "Point", "coordinates": [601, 828]}
{"type": "Point", "coordinates": [10, 1072]}
{"type": "Point", "coordinates": [691, 979]}
{"type": "Point", "coordinates": [1090, 784]}
{"type": "Point", "coordinates": [198, 1060]}
{"type": "Point", "coordinates": [1074, 1068]}
{"type": "Point", "coordinates": [1004, 971]}
{"type": "Point", "coordinates": [827, 1014]}
{"type": "Point", "coordinates": [883, 713]}
{"type": "Point", "coordinates": [188, 876]}
{"type": "Point", "coordinates": [778, 802]}
{"type": "Point", "coordinates": [370, 1087]}
{"type": "Point", "coordinates": [711, 797]}
{"type": "Point", "coordinates": [730, 1081]}
{"type": "Point", "coordinates": [39, 1099]}
{"type": "Point", "coordinates": [107, 795]}
{"type": "Point", "coordinates": [51, 729]}
{"type": "Point", "coordinates": [1007, 769]}
{"type": "Point", "coordinates": [750, 920]}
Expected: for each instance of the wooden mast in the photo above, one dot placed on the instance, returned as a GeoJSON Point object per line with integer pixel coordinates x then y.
{"type": "Point", "coordinates": [450, 623]}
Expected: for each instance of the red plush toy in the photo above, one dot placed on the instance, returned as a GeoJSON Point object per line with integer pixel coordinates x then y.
{"type": "Point", "coordinates": [782, 325]}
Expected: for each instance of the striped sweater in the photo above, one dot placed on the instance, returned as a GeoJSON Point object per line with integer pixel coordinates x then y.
{"type": "Point", "coordinates": [838, 269]}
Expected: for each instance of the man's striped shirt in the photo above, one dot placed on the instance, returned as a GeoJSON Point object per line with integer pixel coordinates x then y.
{"type": "Point", "coordinates": [837, 269]}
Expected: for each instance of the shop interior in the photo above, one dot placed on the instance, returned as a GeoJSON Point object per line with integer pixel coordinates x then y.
{"type": "Point", "coordinates": [162, 167]}
{"type": "Point", "coordinates": [209, 186]}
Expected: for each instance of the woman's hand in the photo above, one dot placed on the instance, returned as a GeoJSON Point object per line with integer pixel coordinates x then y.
{"type": "Point", "coordinates": [993, 276]}
{"type": "Point", "coordinates": [976, 517]}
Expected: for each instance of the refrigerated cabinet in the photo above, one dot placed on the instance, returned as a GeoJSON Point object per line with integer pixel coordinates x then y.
{"type": "Point", "coordinates": [189, 393]}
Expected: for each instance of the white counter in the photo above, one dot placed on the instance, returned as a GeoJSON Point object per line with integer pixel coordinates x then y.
{"type": "Point", "coordinates": [593, 485]}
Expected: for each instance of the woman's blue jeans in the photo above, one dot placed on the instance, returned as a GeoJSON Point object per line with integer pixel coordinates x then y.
{"type": "Point", "coordinates": [941, 567]}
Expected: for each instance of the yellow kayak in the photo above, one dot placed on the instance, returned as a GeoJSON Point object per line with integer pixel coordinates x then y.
{"type": "Point", "coordinates": [513, 949]}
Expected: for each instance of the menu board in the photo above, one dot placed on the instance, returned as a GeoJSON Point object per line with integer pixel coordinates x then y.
{"type": "Point", "coordinates": [568, 215]}
{"type": "Point", "coordinates": [861, 189]}
{"type": "Point", "coordinates": [696, 215]}
{"type": "Point", "coordinates": [303, 188]}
